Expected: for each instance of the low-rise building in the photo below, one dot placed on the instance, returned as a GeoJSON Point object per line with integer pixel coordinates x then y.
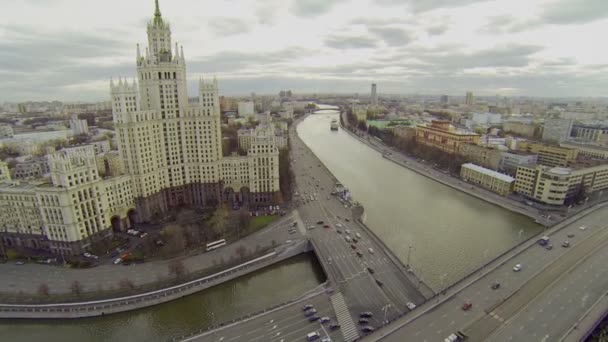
{"type": "Point", "coordinates": [590, 150]}
{"type": "Point", "coordinates": [559, 185]}
{"type": "Point", "coordinates": [440, 134]}
{"type": "Point", "coordinates": [31, 168]}
{"type": "Point", "coordinates": [511, 160]}
{"type": "Point", "coordinates": [5, 173]}
{"type": "Point", "coordinates": [487, 157]}
{"type": "Point", "coordinates": [489, 179]}
{"type": "Point", "coordinates": [550, 155]}
{"type": "Point", "coordinates": [6, 131]}
{"type": "Point", "coordinates": [528, 130]}
{"type": "Point", "coordinates": [405, 132]}
{"type": "Point", "coordinates": [591, 133]}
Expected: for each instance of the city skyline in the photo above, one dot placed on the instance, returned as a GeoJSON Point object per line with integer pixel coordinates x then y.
{"type": "Point", "coordinates": [66, 50]}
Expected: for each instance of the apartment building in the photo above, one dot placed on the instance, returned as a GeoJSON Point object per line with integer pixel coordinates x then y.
{"type": "Point", "coordinates": [480, 155]}
{"type": "Point", "coordinates": [489, 179]}
{"type": "Point", "coordinates": [550, 155]}
{"type": "Point", "coordinates": [440, 134]}
{"type": "Point", "coordinates": [590, 150]}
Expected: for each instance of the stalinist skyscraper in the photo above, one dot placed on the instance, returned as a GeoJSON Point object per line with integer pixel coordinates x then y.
{"type": "Point", "coordinates": [173, 151]}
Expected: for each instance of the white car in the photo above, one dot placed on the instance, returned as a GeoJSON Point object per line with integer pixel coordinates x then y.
{"type": "Point", "coordinates": [339, 225]}
{"type": "Point", "coordinates": [358, 235]}
{"type": "Point", "coordinates": [370, 250]}
{"type": "Point", "coordinates": [517, 268]}
{"type": "Point", "coordinates": [410, 305]}
{"type": "Point", "coordinates": [117, 261]}
{"type": "Point", "coordinates": [347, 231]}
{"type": "Point", "coordinates": [582, 227]}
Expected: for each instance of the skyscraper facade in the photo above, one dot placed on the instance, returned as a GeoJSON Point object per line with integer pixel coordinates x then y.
{"type": "Point", "coordinates": [469, 99]}
{"type": "Point", "coordinates": [374, 101]}
{"type": "Point", "coordinates": [173, 150]}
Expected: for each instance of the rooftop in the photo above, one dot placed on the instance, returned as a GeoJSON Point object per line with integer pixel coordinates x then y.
{"type": "Point", "coordinates": [489, 172]}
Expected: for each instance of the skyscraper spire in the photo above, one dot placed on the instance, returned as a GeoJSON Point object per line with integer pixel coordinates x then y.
{"type": "Point", "coordinates": [158, 20]}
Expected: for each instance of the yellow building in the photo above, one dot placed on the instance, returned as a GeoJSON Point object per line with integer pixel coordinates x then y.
{"type": "Point", "coordinates": [527, 130]}
{"type": "Point", "coordinates": [556, 185]}
{"type": "Point", "coordinates": [489, 179]}
{"type": "Point", "coordinates": [590, 150]}
{"type": "Point", "coordinates": [480, 155]}
{"type": "Point", "coordinates": [441, 135]}
{"type": "Point", "coordinates": [5, 174]}
{"type": "Point", "coordinates": [550, 155]}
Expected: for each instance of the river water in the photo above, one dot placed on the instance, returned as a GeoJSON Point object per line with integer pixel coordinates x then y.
{"type": "Point", "coordinates": [273, 285]}
{"type": "Point", "coordinates": [451, 233]}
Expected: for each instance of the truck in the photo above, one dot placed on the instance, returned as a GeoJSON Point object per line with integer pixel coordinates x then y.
{"type": "Point", "coordinates": [543, 241]}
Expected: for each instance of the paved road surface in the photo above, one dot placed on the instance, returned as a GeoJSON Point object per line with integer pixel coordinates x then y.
{"type": "Point", "coordinates": [491, 306]}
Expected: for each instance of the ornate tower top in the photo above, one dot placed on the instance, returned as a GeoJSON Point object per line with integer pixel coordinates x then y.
{"type": "Point", "coordinates": [158, 20]}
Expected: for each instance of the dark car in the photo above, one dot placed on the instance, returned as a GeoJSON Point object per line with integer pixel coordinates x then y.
{"type": "Point", "coordinates": [310, 312]}
{"type": "Point", "coordinates": [319, 222]}
{"type": "Point", "coordinates": [359, 254]}
{"type": "Point", "coordinates": [570, 235]}
{"type": "Point", "coordinates": [549, 247]}
{"type": "Point", "coordinates": [355, 240]}
{"type": "Point", "coordinates": [346, 219]}
{"type": "Point", "coordinates": [379, 282]}
{"type": "Point", "coordinates": [313, 318]}
{"type": "Point", "coordinates": [363, 321]}
{"type": "Point", "coordinates": [495, 286]}
{"type": "Point", "coordinates": [466, 306]}
{"type": "Point", "coordinates": [353, 246]}
{"type": "Point", "coordinates": [365, 314]}
{"type": "Point", "coordinates": [367, 328]}
{"type": "Point", "coordinates": [338, 231]}
{"type": "Point", "coordinates": [334, 326]}
{"type": "Point", "coordinates": [370, 270]}
{"type": "Point", "coordinates": [307, 307]}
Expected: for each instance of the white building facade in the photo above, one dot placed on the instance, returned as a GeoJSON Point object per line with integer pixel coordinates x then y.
{"type": "Point", "coordinates": [172, 150]}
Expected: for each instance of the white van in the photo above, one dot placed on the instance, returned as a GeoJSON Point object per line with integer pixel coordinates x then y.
{"type": "Point", "coordinates": [358, 235]}
{"type": "Point", "coordinates": [312, 336]}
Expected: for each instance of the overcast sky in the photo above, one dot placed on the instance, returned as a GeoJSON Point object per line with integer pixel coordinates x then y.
{"type": "Point", "coordinates": [68, 49]}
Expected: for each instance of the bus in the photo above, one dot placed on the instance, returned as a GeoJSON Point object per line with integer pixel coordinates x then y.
{"type": "Point", "coordinates": [216, 244]}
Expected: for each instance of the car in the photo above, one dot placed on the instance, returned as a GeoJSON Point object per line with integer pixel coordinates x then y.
{"type": "Point", "coordinates": [310, 312]}
{"type": "Point", "coordinates": [20, 263]}
{"type": "Point", "coordinates": [359, 254]}
{"type": "Point", "coordinates": [549, 247]}
{"type": "Point", "coordinates": [117, 261]}
{"type": "Point", "coordinates": [339, 225]}
{"type": "Point", "coordinates": [324, 319]}
{"type": "Point", "coordinates": [379, 282]}
{"type": "Point", "coordinates": [495, 286]}
{"type": "Point", "coordinates": [159, 243]}
{"type": "Point", "coordinates": [582, 227]}
{"type": "Point", "coordinates": [143, 235]}
{"type": "Point", "coordinates": [313, 318]}
{"type": "Point", "coordinates": [355, 240]}
{"type": "Point", "coordinates": [334, 326]}
{"type": "Point", "coordinates": [456, 337]}
{"type": "Point", "coordinates": [566, 244]}
{"type": "Point", "coordinates": [517, 268]}
{"type": "Point", "coordinates": [353, 246]}
{"type": "Point", "coordinates": [363, 321]}
{"type": "Point", "coordinates": [288, 241]}
{"type": "Point", "coordinates": [346, 219]}
{"type": "Point", "coordinates": [367, 328]}
{"type": "Point", "coordinates": [358, 235]}
{"type": "Point", "coordinates": [570, 235]}
{"type": "Point", "coordinates": [466, 306]}
{"type": "Point", "coordinates": [319, 222]}
{"type": "Point", "coordinates": [370, 250]}
{"type": "Point", "coordinates": [311, 227]}
{"type": "Point", "coordinates": [347, 231]}
{"type": "Point", "coordinates": [410, 305]}
{"type": "Point", "coordinates": [370, 270]}
{"type": "Point", "coordinates": [294, 224]}
{"type": "Point", "coordinates": [326, 339]}
{"type": "Point", "coordinates": [338, 231]}
{"type": "Point", "coordinates": [366, 314]}
{"type": "Point", "coordinates": [325, 226]}
{"type": "Point", "coordinates": [292, 232]}
{"type": "Point", "coordinates": [312, 336]}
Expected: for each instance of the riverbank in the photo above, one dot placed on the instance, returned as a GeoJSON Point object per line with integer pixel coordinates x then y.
{"type": "Point", "coordinates": [128, 303]}
{"type": "Point", "coordinates": [540, 215]}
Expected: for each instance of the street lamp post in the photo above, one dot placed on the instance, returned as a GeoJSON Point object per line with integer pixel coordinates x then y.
{"type": "Point", "coordinates": [385, 309]}
{"type": "Point", "coordinates": [409, 252]}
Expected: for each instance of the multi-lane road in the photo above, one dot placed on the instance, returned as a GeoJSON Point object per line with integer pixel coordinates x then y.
{"type": "Point", "coordinates": [543, 301]}
{"type": "Point", "coordinates": [360, 272]}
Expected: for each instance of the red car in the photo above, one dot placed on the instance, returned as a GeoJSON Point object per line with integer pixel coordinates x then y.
{"type": "Point", "coordinates": [466, 306]}
{"type": "Point", "coordinates": [326, 226]}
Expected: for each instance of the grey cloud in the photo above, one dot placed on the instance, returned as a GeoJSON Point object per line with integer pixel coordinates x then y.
{"type": "Point", "coordinates": [391, 35]}
{"type": "Point", "coordinates": [223, 26]}
{"type": "Point", "coordinates": [575, 11]}
{"type": "Point", "coordinates": [504, 56]}
{"type": "Point", "coordinates": [230, 61]}
{"type": "Point", "coordinates": [311, 8]}
{"type": "Point", "coordinates": [427, 5]}
{"type": "Point", "coordinates": [437, 29]}
{"type": "Point", "coordinates": [350, 42]}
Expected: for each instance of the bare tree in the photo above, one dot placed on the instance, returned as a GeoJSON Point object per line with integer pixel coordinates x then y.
{"type": "Point", "coordinates": [177, 269]}
{"type": "Point", "coordinates": [126, 284]}
{"type": "Point", "coordinates": [241, 251]}
{"type": "Point", "coordinates": [174, 238]}
{"type": "Point", "coordinates": [244, 219]}
{"type": "Point", "coordinates": [219, 220]}
{"type": "Point", "coordinates": [76, 287]}
{"type": "Point", "coordinates": [43, 289]}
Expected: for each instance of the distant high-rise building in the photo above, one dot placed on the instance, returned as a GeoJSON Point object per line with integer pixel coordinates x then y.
{"type": "Point", "coordinates": [79, 126]}
{"type": "Point", "coordinates": [444, 99]}
{"type": "Point", "coordinates": [374, 101]}
{"type": "Point", "coordinates": [469, 99]}
{"type": "Point", "coordinates": [246, 109]}
{"type": "Point", "coordinates": [557, 130]}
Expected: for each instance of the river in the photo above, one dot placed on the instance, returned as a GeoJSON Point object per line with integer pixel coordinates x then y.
{"type": "Point", "coordinates": [451, 233]}
{"type": "Point", "coordinates": [273, 285]}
